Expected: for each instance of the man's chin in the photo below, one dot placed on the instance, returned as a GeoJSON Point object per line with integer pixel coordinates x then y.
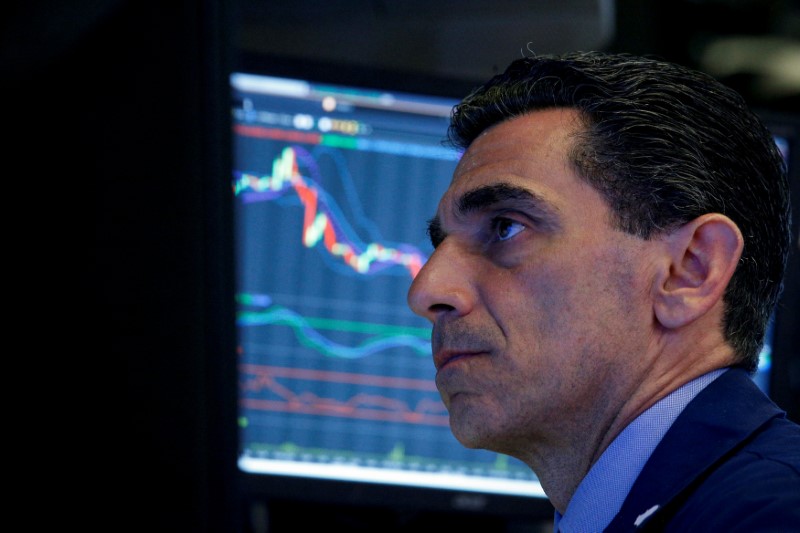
{"type": "Point", "coordinates": [469, 436]}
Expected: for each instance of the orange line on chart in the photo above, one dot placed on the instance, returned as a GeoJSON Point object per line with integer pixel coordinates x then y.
{"type": "Point", "coordinates": [363, 405]}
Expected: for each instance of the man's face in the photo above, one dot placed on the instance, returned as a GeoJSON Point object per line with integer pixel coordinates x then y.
{"type": "Point", "coordinates": [539, 306]}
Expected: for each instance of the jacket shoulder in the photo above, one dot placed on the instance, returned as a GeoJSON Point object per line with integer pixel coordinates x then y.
{"type": "Point", "coordinates": [755, 488]}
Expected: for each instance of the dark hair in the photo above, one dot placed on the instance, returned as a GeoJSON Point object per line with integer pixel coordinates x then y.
{"type": "Point", "coordinates": [663, 144]}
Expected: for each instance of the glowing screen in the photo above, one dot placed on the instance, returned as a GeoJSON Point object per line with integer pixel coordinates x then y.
{"type": "Point", "coordinates": [333, 189]}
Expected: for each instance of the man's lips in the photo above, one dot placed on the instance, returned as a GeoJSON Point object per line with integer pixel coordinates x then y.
{"type": "Point", "coordinates": [444, 357]}
{"type": "Point", "coordinates": [454, 340]}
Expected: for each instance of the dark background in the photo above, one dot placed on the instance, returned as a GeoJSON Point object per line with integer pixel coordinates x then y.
{"type": "Point", "coordinates": [118, 112]}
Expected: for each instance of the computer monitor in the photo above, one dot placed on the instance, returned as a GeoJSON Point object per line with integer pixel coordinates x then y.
{"type": "Point", "coordinates": [336, 174]}
{"type": "Point", "coordinates": [337, 170]}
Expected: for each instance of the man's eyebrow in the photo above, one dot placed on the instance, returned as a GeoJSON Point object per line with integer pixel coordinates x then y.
{"type": "Point", "coordinates": [487, 196]}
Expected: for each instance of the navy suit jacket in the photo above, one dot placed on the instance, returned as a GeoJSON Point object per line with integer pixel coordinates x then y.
{"type": "Point", "coordinates": [730, 462]}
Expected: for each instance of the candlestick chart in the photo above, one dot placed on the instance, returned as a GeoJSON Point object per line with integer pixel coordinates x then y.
{"type": "Point", "coordinates": [323, 221]}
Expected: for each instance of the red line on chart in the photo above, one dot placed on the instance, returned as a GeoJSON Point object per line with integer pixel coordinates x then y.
{"type": "Point", "coordinates": [330, 408]}
{"type": "Point", "coordinates": [341, 377]}
{"type": "Point", "coordinates": [275, 134]}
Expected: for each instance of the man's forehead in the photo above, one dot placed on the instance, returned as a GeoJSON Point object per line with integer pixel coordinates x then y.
{"type": "Point", "coordinates": [543, 134]}
{"type": "Point", "coordinates": [523, 159]}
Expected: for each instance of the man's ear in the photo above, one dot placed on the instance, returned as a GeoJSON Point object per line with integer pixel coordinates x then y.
{"type": "Point", "coordinates": [701, 257]}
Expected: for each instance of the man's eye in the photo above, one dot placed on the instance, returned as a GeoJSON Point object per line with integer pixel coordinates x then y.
{"type": "Point", "coordinates": [505, 228]}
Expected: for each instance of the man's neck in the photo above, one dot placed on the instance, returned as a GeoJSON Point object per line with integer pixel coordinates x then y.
{"type": "Point", "coordinates": [562, 466]}
{"type": "Point", "coordinates": [602, 492]}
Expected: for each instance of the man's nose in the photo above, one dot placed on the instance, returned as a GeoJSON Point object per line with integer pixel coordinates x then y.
{"type": "Point", "coordinates": [442, 285]}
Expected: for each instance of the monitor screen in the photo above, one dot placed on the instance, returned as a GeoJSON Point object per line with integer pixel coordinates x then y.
{"type": "Point", "coordinates": [779, 369]}
{"type": "Point", "coordinates": [763, 374]}
{"type": "Point", "coordinates": [333, 185]}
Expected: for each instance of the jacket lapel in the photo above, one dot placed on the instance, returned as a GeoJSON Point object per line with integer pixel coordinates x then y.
{"type": "Point", "coordinates": [713, 424]}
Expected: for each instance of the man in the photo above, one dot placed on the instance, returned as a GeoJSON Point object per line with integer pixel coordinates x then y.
{"type": "Point", "coordinates": [606, 259]}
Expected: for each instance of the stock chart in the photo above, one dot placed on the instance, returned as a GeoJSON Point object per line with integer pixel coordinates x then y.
{"type": "Point", "coordinates": [335, 372]}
